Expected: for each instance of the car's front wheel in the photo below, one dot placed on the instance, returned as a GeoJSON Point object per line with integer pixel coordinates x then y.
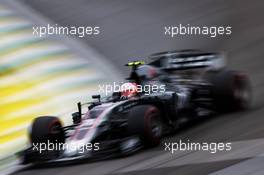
{"type": "Point", "coordinates": [145, 121]}
{"type": "Point", "coordinates": [47, 129]}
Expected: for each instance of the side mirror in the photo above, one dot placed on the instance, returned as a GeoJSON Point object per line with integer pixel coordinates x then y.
{"type": "Point", "coordinates": [116, 96]}
{"type": "Point", "coordinates": [76, 118]}
{"type": "Point", "coordinates": [97, 97]}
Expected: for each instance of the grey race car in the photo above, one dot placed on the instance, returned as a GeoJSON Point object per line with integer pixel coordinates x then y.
{"type": "Point", "coordinates": [196, 84]}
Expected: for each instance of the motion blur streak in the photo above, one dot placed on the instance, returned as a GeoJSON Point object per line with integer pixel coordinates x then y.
{"type": "Point", "coordinates": [134, 29]}
{"type": "Point", "coordinates": [37, 77]}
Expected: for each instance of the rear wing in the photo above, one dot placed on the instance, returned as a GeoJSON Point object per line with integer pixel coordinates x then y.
{"type": "Point", "coordinates": [187, 59]}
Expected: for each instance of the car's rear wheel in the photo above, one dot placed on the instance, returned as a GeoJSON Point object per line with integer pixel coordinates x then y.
{"type": "Point", "coordinates": [145, 122]}
{"type": "Point", "coordinates": [230, 90]}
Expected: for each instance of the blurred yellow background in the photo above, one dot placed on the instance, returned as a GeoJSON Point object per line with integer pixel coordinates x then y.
{"type": "Point", "coordinates": [38, 76]}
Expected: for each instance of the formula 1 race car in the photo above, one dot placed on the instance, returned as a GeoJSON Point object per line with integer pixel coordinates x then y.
{"type": "Point", "coordinates": [181, 86]}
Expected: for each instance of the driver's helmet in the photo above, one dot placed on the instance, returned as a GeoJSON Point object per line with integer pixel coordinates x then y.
{"type": "Point", "coordinates": [129, 90]}
{"type": "Point", "coordinates": [147, 72]}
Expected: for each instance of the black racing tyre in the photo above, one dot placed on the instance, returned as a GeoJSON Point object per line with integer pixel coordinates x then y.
{"type": "Point", "coordinates": [231, 90]}
{"type": "Point", "coordinates": [46, 129]}
{"type": "Point", "coordinates": [145, 122]}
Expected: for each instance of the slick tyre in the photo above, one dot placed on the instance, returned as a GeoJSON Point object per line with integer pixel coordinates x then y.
{"type": "Point", "coordinates": [145, 121]}
{"type": "Point", "coordinates": [231, 90]}
{"type": "Point", "coordinates": [46, 129]}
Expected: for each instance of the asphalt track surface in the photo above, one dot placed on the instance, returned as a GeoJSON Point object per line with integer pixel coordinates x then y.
{"type": "Point", "coordinates": [135, 28]}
